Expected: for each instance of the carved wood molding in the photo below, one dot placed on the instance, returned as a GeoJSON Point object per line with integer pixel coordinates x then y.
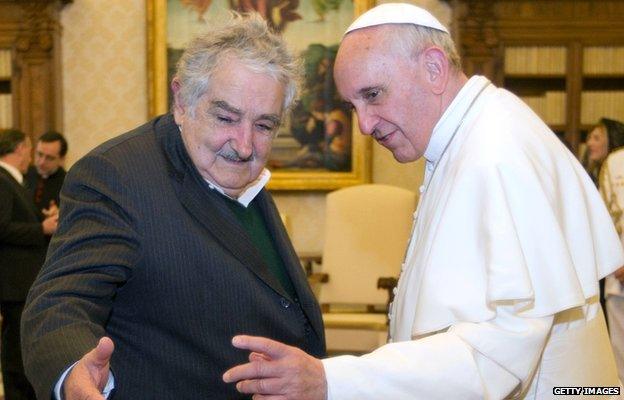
{"type": "Point", "coordinates": [485, 27]}
{"type": "Point", "coordinates": [31, 29]}
{"type": "Point", "coordinates": [479, 42]}
{"type": "Point", "coordinates": [39, 24]}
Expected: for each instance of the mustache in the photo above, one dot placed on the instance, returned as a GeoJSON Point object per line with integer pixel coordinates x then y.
{"type": "Point", "coordinates": [232, 155]}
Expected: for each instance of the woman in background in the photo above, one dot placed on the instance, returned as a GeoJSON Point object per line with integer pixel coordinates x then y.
{"type": "Point", "coordinates": [606, 136]}
{"type": "Point", "coordinates": [610, 135]}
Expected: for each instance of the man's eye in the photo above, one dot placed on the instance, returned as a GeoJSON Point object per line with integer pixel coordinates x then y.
{"type": "Point", "coordinates": [265, 128]}
{"type": "Point", "coordinates": [372, 95]}
{"type": "Point", "coordinates": [224, 119]}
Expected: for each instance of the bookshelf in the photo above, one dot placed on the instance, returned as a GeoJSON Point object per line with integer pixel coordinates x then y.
{"type": "Point", "coordinates": [565, 59]}
{"type": "Point", "coordinates": [603, 84]}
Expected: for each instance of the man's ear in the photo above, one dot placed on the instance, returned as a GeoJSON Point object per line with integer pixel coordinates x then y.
{"type": "Point", "coordinates": [178, 105]}
{"type": "Point", "coordinates": [437, 68]}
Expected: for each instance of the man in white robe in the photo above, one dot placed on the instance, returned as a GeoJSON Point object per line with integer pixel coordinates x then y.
{"type": "Point", "coordinates": [498, 292]}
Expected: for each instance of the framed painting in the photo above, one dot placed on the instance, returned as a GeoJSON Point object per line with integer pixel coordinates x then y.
{"type": "Point", "coordinates": [319, 146]}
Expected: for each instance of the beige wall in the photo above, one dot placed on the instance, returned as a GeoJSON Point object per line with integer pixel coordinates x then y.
{"type": "Point", "coordinates": [105, 93]}
{"type": "Point", "coordinates": [104, 71]}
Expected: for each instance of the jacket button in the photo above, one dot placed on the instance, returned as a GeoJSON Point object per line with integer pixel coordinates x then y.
{"type": "Point", "coordinates": [285, 303]}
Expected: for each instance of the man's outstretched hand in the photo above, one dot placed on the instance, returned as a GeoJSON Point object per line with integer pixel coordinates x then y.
{"type": "Point", "coordinates": [277, 371]}
{"type": "Point", "coordinates": [88, 377]}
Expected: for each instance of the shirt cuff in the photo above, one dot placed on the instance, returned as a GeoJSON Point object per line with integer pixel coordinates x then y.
{"type": "Point", "coordinates": [110, 384]}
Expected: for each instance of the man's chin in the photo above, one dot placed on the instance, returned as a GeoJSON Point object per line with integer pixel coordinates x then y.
{"type": "Point", "coordinates": [233, 187]}
{"type": "Point", "coordinates": [403, 158]}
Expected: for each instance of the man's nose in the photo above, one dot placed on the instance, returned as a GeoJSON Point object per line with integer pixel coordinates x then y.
{"type": "Point", "coordinates": [367, 121]}
{"type": "Point", "coordinates": [243, 142]}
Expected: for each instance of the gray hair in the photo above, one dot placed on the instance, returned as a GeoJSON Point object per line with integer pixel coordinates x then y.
{"type": "Point", "coordinates": [247, 38]}
{"type": "Point", "coordinates": [413, 39]}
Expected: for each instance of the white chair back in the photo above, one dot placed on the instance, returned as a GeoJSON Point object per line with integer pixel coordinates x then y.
{"type": "Point", "coordinates": [366, 233]}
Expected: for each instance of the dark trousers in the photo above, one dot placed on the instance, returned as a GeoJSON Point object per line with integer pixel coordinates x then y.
{"type": "Point", "coordinates": [16, 386]}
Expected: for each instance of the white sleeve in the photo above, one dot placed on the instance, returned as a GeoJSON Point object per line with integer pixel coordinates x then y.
{"type": "Point", "coordinates": [609, 195]}
{"type": "Point", "coordinates": [491, 359]}
{"type": "Point", "coordinates": [110, 384]}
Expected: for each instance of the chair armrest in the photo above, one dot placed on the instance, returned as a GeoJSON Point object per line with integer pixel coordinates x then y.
{"type": "Point", "coordinates": [308, 259]}
{"type": "Point", "coordinates": [388, 283]}
{"type": "Point", "coordinates": [318, 277]}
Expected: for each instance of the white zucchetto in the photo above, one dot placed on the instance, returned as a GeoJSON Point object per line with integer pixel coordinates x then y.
{"type": "Point", "coordinates": [396, 13]}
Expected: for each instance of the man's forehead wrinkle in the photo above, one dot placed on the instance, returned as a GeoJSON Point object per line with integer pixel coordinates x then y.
{"type": "Point", "coordinates": [225, 105]}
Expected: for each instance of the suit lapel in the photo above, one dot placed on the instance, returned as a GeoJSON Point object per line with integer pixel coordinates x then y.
{"type": "Point", "coordinates": [291, 261]}
{"type": "Point", "coordinates": [207, 206]}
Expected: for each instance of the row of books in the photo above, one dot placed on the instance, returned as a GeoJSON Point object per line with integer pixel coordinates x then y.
{"type": "Point", "coordinates": [545, 60]}
{"type": "Point", "coordinates": [598, 104]}
{"type": "Point", "coordinates": [551, 106]}
{"type": "Point", "coordinates": [603, 60]}
{"type": "Point", "coordinates": [6, 111]}
{"type": "Point", "coordinates": [551, 60]}
{"type": "Point", "coordinates": [5, 64]}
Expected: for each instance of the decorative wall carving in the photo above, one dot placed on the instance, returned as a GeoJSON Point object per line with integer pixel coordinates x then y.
{"type": "Point", "coordinates": [31, 29]}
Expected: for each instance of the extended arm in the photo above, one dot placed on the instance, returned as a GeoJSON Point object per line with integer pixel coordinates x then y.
{"type": "Point", "coordinates": [91, 256]}
{"type": "Point", "coordinates": [470, 360]}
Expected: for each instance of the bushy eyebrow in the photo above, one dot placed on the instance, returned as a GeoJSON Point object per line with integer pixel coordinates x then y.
{"type": "Point", "coordinates": [224, 105]}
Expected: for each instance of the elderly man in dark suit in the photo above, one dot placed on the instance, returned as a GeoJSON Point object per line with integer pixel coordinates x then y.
{"type": "Point", "coordinates": [22, 251]}
{"type": "Point", "coordinates": [168, 245]}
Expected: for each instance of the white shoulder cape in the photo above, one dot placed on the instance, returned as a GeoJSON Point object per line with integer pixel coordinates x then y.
{"type": "Point", "coordinates": [509, 217]}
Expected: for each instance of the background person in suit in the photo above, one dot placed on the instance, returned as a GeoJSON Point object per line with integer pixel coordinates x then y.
{"type": "Point", "coordinates": [22, 252]}
{"type": "Point", "coordinates": [168, 245]}
{"type": "Point", "coordinates": [45, 178]}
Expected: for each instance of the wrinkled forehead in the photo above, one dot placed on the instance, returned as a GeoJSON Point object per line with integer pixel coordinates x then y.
{"type": "Point", "coordinates": [360, 44]}
{"type": "Point", "coordinates": [361, 68]}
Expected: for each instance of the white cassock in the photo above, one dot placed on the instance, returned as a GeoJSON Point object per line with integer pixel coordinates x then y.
{"type": "Point", "coordinates": [498, 293]}
{"type": "Point", "coordinates": [612, 189]}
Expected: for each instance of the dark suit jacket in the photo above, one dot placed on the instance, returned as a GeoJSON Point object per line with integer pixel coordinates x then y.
{"type": "Point", "coordinates": [51, 186]}
{"type": "Point", "coordinates": [149, 255]}
{"type": "Point", "coordinates": [22, 243]}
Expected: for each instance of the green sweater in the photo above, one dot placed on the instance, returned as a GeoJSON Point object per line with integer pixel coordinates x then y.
{"type": "Point", "coordinates": [253, 222]}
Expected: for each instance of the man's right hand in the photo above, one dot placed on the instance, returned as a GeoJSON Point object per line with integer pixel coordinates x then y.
{"type": "Point", "coordinates": [51, 210]}
{"type": "Point", "coordinates": [49, 225]}
{"type": "Point", "coordinates": [89, 376]}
